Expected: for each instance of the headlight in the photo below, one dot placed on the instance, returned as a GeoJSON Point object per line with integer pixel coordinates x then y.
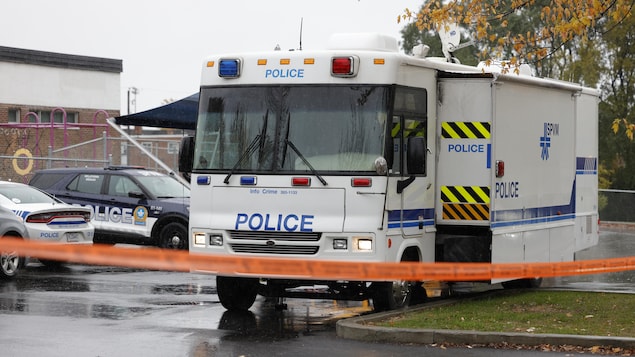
{"type": "Point", "coordinates": [216, 239]}
{"type": "Point", "coordinates": [363, 244]}
{"type": "Point", "coordinates": [340, 243]}
{"type": "Point", "coordinates": [199, 238]}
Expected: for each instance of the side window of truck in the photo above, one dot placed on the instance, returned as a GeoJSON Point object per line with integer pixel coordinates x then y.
{"type": "Point", "coordinates": [409, 120]}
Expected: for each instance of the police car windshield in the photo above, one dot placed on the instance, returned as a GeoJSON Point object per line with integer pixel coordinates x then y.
{"type": "Point", "coordinates": [163, 186]}
{"type": "Point", "coordinates": [20, 194]}
{"type": "Point", "coordinates": [335, 127]}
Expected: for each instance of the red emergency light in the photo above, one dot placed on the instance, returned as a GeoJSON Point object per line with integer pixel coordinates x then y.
{"type": "Point", "coordinates": [343, 66]}
{"type": "Point", "coordinates": [301, 181]}
{"type": "Point", "coordinates": [500, 168]}
{"type": "Point", "coordinates": [361, 182]}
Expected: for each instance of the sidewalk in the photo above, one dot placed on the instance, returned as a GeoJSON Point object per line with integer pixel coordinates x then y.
{"type": "Point", "coordinates": [362, 328]}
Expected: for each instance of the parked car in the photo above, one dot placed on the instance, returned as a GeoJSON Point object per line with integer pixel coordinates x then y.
{"type": "Point", "coordinates": [46, 218]}
{"type": "Point", "coordinates": [11, 226]}
{"type": "Point", "coordinates": [129, 204]}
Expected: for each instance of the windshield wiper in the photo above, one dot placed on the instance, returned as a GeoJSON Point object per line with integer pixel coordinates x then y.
{"type": "Point", "coordinates": [246, 154]}
{"type": "Point", "coordinates": [306, 162]}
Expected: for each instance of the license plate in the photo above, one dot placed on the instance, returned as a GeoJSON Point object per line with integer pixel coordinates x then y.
{"type": "Point", "coordinates": [73, 237]}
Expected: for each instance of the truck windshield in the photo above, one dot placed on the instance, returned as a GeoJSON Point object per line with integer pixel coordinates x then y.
{"type": "Point", "coordinates": [332, 128]}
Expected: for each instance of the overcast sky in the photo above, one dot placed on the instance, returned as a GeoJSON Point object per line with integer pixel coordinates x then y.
{"type": "Point", "coordinates": [163, 42]}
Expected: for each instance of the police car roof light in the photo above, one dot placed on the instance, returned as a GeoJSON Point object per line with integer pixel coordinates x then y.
{"type": "Point", "coordinates": [229, 68]}
{"type": "Point", "coordinates": [125, 167]}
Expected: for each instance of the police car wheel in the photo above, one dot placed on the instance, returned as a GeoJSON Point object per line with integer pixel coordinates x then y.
{"type": "Point", "coordinates": [10, 263]}
{"type": "Point", "coordinates": [173, 236]}
{"type": "Point", "coordinates": [51, 264]}
{"type": "Point", "coordinates": [236, 293]}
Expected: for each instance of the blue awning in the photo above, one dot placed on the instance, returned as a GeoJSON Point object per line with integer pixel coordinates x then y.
{"type": "Point", "coordinates": [180, 114]}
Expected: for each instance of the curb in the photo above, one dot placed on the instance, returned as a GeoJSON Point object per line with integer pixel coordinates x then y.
{"type": "Point", "coordinates": [361, 328]}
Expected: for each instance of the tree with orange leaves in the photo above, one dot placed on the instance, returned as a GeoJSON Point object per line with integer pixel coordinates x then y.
{"type": "Point", "coordinates": [562, 21]}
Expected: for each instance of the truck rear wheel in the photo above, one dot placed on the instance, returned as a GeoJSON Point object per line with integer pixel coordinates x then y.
{"type": "Point", "coordinates": [530, 283]}
{"type": "Point", "coordinates": [236, 293]}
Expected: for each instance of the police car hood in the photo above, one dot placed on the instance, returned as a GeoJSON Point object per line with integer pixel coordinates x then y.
{"type": "Point", "coordinates": [175, 200]}
{"type": "Point", "coordinates": [278, 209]}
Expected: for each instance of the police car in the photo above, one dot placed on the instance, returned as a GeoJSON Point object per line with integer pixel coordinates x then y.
{"type": "Point", "coordinates": [128, 204]}
{"type": "Point", "coordinates": [46, 218]}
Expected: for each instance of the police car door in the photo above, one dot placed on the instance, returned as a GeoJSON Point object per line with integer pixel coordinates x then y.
{"type": "Point", "coordinates": [128, 211]}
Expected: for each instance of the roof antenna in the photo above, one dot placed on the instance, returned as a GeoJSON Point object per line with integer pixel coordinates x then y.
{"type": "Point", "coordinates": [301, 20]}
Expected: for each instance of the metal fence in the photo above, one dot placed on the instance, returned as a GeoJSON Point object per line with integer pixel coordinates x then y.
{"type": "Point", "coordinates": [617, 205]}
{"type": "Point", "coordinates": [98, 152]}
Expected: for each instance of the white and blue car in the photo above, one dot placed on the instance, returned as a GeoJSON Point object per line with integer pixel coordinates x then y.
{"type": "Point", "coordinates": [46, 218]}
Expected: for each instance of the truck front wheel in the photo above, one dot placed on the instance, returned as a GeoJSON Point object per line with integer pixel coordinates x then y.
{"type": "Point", "coordinates": [236, 293]}
{"type": "Point", "coordinates": [391, 295]}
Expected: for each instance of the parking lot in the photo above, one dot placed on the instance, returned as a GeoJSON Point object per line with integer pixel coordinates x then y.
{"type": "Point", "coordinates": [83, 310]}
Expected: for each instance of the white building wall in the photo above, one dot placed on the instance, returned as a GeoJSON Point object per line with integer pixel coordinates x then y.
{"type": "Point", "coordinates": [59, 87]}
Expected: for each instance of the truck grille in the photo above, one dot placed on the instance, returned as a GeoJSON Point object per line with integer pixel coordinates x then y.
{"type": "Point", "coordinates": [261, 242]}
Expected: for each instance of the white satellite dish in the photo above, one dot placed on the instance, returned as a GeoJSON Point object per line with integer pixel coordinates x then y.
{"type": "Point", "coordinates": [450, 39]}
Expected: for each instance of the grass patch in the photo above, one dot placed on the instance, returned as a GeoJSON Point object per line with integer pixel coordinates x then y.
{"type": "Point", "coordinates": [533, 311]}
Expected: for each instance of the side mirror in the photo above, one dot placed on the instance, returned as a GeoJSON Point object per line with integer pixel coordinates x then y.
{"type": "Point", "coordinates": [136, 194]}
{"type": "Point", "coordinates": [416, 155]}
{"type": "Point", "coordinates": [186, 154]}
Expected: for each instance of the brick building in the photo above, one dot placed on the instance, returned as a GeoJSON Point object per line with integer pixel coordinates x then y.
{"type": "Point", "coordinates": [51, 103]}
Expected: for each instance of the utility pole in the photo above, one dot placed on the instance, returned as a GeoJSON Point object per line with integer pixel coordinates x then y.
{"type": "Point", "coordinates": [132, 98]}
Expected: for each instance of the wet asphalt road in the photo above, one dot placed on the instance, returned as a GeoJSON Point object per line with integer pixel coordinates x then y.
{"type": "Point", "coordinates": [82, 310]}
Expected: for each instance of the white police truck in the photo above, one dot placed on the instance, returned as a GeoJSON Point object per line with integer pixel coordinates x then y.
{"type": "Point", "coordinates": [362, 153]}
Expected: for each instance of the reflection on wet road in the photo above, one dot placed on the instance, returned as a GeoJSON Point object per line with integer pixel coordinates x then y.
{"type": "Point", "coordinates": [611, 245]}
{"type": "Point", "coordinates": [111, 311]}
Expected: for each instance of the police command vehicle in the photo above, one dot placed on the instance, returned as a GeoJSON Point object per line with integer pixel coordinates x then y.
{"type": "Point", "coordinates": [362, 153]}
{"type": "Point", "coordinates": [128, 204]}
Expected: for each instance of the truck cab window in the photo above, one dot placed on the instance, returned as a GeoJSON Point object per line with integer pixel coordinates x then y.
{"type": "Point", "coordinates": [410, 119]}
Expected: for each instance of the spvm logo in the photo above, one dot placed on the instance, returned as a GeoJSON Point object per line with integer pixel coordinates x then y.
{"type": "Point", "coordinates": [551, 130]}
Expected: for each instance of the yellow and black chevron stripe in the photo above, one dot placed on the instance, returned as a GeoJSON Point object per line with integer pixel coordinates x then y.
{"type": "Point", "coordinates": [465, 194]}
{"type": "Point", "coordinates": [466, 211]}
{"type": "Point", "coordinates": [465, 202]}
{"type": "Point", "coordinates": [465, 130]}
{"type": "Point", "coordinates": [412, 128]}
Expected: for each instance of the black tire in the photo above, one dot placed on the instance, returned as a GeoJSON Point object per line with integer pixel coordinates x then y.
{"type": "Point", "coordinates": [51, 264]}
{"type": "Point", "coordinates": [10, 264]}
{"type": "Point", "coordinates": [173, 236]}
{"type": "Point", "coordinates": [236, 293]}
{"type": "Point", "coordinates": [419, 294]}
{"type": "Point", "coordinates": [530, 283]}
{"type": "Point", "coordinates": [391, 295]}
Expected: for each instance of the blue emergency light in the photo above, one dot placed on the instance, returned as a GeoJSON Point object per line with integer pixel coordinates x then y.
{"type": "Point", "coordinates": [248, 180]}
{"type": "Point", "coordinates": [203, 180]}
{"type": "Point", "coordinates": [229, 68]}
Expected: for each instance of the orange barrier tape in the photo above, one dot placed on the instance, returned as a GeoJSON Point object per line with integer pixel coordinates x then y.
{"type": "Point", "coordinates": [178, 260]}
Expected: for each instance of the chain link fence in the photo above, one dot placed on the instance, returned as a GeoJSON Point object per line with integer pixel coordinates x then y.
{"type": "Point", "coordinates": [617, 205]}
{"type": "Point", "coordinates": [99, 152]}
